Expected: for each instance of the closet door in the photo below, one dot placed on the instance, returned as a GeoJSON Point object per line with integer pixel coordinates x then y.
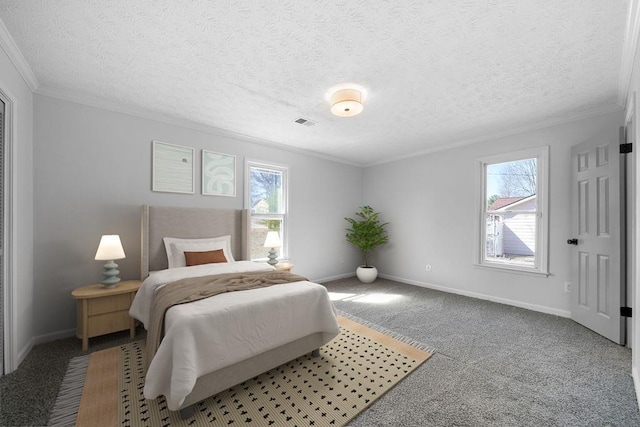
{"type": "Point", "coordinates": [2, 284]}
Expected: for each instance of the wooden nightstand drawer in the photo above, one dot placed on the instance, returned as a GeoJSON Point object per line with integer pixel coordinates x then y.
{"type": "Point", "coordinates": [107, 323]}
{"type": "Point", "coordinates": [109, 305]}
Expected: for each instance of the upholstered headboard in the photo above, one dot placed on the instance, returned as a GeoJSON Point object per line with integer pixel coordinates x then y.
{"type": "Point", "coordinates": [162, 221]}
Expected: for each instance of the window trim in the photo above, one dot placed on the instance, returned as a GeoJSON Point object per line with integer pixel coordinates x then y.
{"type": "Point", "coordinates": [542, 204]}
{"type": "Point", "coordinates": [253, 163]}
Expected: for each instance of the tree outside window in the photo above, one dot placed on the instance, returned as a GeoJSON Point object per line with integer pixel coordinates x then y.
{"type": "Point", "coordinates": [267, 206]}
{"type": "Point", "coordinates": [513, 223]}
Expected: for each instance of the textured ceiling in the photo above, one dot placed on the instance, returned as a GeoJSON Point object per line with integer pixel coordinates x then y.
{"type": "Point", "coordinates": [437, 72]}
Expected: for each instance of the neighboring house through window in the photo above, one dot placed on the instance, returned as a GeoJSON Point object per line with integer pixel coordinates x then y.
{"type": "Point", "coordinates": [513, 217]}
{"type": "Point", "coordinates": [266, 199]}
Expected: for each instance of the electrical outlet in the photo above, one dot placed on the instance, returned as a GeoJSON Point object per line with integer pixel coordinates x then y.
{"type": "Point", "coordinates": [567, 287]}
{"type": "Point", "coordinates": [428, 267]}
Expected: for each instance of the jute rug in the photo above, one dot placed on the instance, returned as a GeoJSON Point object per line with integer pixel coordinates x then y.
{"type": "Point", "coordinates": [353, 370]}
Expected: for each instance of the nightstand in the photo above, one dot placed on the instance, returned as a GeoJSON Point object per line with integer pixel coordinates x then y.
{"type": "Point", "coordinates": [103, 311]}
{"type": "Point", "coordinates": [284, 266]}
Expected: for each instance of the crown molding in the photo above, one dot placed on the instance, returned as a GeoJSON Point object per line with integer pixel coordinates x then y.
{"type": "Point", "coordinates": [610, 109]}
{"type": "Point", "coordinates": [97, 102]}
{"type": "Point", "coordinates": [629, 52]}
{"type": "Point", "coordinates": [9, 46]}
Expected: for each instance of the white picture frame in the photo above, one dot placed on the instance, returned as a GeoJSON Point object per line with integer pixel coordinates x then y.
{"type": "Point", "coordinates": [173, 168]}
{"type": "Point", "coordinates": [218, 174]}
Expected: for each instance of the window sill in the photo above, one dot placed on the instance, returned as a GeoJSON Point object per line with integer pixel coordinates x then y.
{"type": "Point", "coordinates": [513, 269]}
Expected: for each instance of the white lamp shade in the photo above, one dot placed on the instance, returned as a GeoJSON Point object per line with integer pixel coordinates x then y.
{"type": "Point", "coordinates": [272, 240]}
{"type": "Point", "coordinates": [109, 248]}
{"type": "Point", "coordinates": [346, 102]}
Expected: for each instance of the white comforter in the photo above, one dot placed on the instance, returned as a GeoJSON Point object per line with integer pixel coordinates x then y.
{"type": "Point", "coordinates": [213, 333]}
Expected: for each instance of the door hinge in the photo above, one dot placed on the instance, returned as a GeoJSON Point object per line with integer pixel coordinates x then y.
{"type": "Point", "coordinates": [626, 148]}
{"type": "Point", "coordinates": [625, 312]}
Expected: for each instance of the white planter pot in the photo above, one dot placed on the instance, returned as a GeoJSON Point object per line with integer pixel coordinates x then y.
{"type": "Point", "coordinates": [367, 274]}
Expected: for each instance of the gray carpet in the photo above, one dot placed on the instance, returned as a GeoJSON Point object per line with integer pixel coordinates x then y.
{"type": "Point", "coordinates": [494, 365]}
{"type": "Point", "coordinates": [28, 394]}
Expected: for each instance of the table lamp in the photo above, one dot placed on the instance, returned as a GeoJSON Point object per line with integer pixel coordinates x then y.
{"type": "Point", "coordinates": [272, 241]}
{"type": "Point", "coordinates": [109, 250]}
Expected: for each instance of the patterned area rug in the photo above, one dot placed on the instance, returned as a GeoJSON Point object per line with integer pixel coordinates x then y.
{"type": "Point", "coordinates": [353, 370]}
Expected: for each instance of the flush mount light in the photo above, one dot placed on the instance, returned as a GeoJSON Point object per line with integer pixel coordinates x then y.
{"type": "Point", "coordinates": [346, 101]}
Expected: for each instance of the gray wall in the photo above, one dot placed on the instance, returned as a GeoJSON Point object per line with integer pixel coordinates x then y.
{"type": "Point", "coordinates": [93, 171]}
{"type": "Point", "coordinates": [430, 202]}
{"type": "Point", "coordinates": [93, 168]}
{"type": "Point", "coordinates": [12, 83]}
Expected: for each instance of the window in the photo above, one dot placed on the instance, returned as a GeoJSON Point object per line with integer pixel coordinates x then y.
{"type": "Point", "coordinates": [513, 211]}
{"type": "Point", "coordinates": [266, 200]}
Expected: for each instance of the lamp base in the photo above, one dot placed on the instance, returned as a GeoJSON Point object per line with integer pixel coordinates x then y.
{"type": "Point", "coordinates": [110, 274]}
{"type": "Point", "coordinates": [273, 257]}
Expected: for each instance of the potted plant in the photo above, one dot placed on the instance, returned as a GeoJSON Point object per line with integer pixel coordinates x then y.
{"type": "Point", "coordinates": [367, 233]}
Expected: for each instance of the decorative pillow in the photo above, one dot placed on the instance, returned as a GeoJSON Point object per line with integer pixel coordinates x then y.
{"type": "Point", "coordinates": [177, 247]}
{"type": "Point", "coordinates": [208, 257]}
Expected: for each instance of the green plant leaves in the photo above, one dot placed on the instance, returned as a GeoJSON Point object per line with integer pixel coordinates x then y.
{"type": "Point", "coordinates": [367, 233]}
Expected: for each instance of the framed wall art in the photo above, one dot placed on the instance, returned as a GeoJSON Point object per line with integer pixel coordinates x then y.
{"type": "Point", "coordinates": [218, 174]}
{"type": "Point", "coordinates": [172, 169]}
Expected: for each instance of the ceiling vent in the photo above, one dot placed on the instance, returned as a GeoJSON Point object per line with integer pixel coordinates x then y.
{"type": "Point", "coordinates": [306, 122]}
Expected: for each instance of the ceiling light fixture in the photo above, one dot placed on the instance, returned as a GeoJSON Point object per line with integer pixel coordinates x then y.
{"type": "Point", "coordinates": [346, 101]}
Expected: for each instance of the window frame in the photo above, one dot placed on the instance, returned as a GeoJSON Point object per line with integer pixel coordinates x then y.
{"type": "Point", "coordinates": [284, 216]}
{"type": "Point", "coordinates": [541, 265]}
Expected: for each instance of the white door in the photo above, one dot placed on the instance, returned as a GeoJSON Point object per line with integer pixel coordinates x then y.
{"type": "Point", "coordinates": [595, 211]}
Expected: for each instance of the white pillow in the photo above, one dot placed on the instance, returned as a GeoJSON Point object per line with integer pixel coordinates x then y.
{"type": "Point", "coordinates": [176, 248]}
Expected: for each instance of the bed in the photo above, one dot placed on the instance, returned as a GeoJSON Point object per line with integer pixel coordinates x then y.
{"type": "Point", "coordinates": [215, 343]}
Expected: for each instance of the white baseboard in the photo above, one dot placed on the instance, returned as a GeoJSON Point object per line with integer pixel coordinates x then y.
{"type": "Point", "coordinates": [54, 336]}
{"type": "Point", "coordinates": [22, 354]}
{"type": "Point", "coordinates": [331, 278]}
{"type": "Point", "coordinates": [636, 383]}
{"type": "Point", "coordinates": [533, 307]}
{"type": "Point", "coordinates": [562, 313]}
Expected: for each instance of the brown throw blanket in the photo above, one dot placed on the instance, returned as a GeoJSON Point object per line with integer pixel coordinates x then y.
{"type": "Point", "coordinates": [197, 288]}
